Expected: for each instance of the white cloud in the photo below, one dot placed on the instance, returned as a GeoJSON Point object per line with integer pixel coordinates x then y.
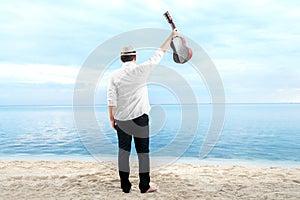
{"type": "Point", "coordinates": [259, 81]}
{"type": "Point", "coordinates": [37, 73]}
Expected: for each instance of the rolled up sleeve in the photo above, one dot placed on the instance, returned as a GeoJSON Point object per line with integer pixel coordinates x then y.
{"type": "Point", "coordinates": [111, 93]}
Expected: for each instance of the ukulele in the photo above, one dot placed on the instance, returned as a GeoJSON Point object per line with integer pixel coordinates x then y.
{"type": "Point", "coordinates": [181, 53]}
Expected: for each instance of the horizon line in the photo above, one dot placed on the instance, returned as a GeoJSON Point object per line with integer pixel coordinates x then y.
{"type": "Point", "coordinates": [11, 105]}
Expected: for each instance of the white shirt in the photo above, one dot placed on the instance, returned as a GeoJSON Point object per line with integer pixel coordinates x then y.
{"type": "Point", "coordinates": [127, 89]}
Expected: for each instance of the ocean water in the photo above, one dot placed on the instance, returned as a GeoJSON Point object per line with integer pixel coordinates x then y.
{"type": "Point", "coordinates": [251, 132]}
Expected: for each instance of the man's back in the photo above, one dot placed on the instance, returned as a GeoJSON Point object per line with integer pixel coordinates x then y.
{"type": "Point", "coordinates": [128, 90]}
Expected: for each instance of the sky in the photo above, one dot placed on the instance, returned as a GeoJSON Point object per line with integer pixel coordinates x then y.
{"type": "Point", "coordinates": [254, 45]}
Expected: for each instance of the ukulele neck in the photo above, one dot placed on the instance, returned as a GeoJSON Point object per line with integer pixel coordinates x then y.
{"type": "Point", "coordinates": [173, 25]}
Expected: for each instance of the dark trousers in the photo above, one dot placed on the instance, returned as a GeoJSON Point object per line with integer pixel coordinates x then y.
{"type": "Point", "coordinates": [141, 141]}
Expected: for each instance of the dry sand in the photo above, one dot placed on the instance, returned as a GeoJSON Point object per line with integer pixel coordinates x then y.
{"type": "Point", "coordinates": [95, 180]}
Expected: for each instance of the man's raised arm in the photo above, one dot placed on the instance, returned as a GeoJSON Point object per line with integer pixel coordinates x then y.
{"type": "Point", "coordinates": [166, 44]}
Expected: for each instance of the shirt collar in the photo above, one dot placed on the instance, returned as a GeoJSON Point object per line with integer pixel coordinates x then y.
{"type": "Point", "coordinates": [128, 63]}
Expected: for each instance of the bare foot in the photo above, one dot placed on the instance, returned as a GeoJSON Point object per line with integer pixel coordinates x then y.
{"type": "Point", "coordinates": [153, 188]}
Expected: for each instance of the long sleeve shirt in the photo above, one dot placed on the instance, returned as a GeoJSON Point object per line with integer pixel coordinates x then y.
{"type": "Point", "coordinates": [127, 88]}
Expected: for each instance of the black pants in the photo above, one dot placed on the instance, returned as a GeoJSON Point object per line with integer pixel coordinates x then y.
{"type": "Point", "coordinates": [141, 141]}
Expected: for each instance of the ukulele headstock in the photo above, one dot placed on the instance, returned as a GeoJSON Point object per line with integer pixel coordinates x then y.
{"type": "Point", "coordinates": [168, 17]}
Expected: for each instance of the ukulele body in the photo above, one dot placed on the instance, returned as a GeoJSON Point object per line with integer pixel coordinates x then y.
{"type": "Point", "coordinates": [181, 53]}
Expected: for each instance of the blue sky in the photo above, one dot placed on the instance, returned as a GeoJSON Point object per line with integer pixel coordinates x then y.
{"type": "Point", "coordinates": [254, 44]}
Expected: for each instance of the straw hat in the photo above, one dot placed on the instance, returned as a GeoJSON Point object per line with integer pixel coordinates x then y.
{"type": "Point", "coordinates": [128, 51]}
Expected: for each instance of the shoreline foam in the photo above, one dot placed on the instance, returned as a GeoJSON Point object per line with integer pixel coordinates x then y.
{"type": "Point", "coordinates": [163, 160]}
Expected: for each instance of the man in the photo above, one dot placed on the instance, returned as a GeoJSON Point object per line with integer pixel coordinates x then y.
{"type": "Point", "coordinates": [128, 107]}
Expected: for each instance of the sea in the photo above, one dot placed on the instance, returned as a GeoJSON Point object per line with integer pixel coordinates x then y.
{"type": "Point", "coordinates": [267, 134]}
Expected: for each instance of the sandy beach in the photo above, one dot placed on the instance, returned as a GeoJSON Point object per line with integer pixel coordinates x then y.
{"type": "Point", "coordinates": [95, 180]}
